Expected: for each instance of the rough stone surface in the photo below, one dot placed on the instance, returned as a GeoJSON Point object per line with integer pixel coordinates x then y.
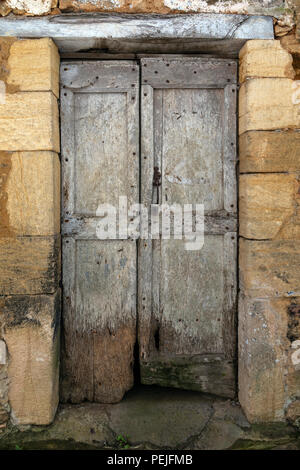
{"type": "Point", "coordinates": [160, 411]}
{"type": "Point", "coordinates": [34, 65]}
{"type": "Point", "coordinates": [292, 45]}
{"type": "Point", "coordinates": [259, 58]}
{"type": "Point", "coordinates": [293, 371]}
{"type": "Point", "coordinates": [4, 406]}
{"type": "Point", "coordinates": [269, 151]}
{"type": "Point", "coordinates": [5, 46]}
{"type": "Point", "coordinates": [31, 7]}
{"type": "Point", "coordinates": [91, 426]}
{"type": "Point", "coordinates": [143, 33]}
{"type": "Point", "coordinates": [269, 310]}
{"type": "Point", "coordinates": [29, 209]}
{"type": "Point", "coordinates": [4, 9]}
{"type": "Point", "coordinates": [263, 346]}
{"type": "Point", "coordinates": [30, 194]}
{"type": "Point", "coordinates": [281, 30]}
{"type": "Point", "coordinates": [267, 104]}
{"type": "Point", "coordinates": [29, 265]}
{"type": "Point", "coordinates": [222, 433]}
{"type": "Point", "coordinates": [230, 411]}
{"type": "Point", "coordinates": [29, 121]}
{"type": "Point", "coordinates": [88, 424]}
{"type": "Point", "coordinates": [269, 268]}
{"type": "Point", "coordinates": [276, 8]}
{"type": "Point", "coordinates": [266, 203]}
{"type": "Point", "coordinates": [293, 413]}
{"type": "Point", "coordinates": [31, 332]}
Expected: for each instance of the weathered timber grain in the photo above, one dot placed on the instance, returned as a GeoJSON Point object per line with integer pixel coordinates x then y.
{"type": "Point", "coordinates": [100, 139]}
{"type": "Point", "coordinates": [187, 299]}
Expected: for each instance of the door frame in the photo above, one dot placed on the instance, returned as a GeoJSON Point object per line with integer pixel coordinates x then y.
{"type": "Point", "coordinates": [77, 39]}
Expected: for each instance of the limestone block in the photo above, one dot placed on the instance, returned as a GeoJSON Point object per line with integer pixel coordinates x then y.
{"type": "Point", "coordinates": [32, 334]}
{"type": "Point", "coordinates": [33, 8]}
{"type": "Point", "coordinates": [262, 358]}
{"type": "Point", "coordinates": [261, 58]}
{"type": "Point", "coordinates": [29, 194]}
{"type": "Point", "coordinates": [293, 334]}
{"type": "Point", "coordinates": [268, 103]}
{"type": "Point", "coordinates": [269, 151]}
{"type": "Point", "coordinates": [282, 29]}
{"type": "Point", "coordinates": [29, 265]}
{"type": "Point", "coordinates": [4, 8]}
{"type": "Point", "coordinates": [293, 371]}
{"type": "Point", "coordinates": [269, 268]}
{"type": "Point", "coordinates": [29, 121]}
{"type": "Point", "coordinates": [266, 203]}
{"type": "Point", "coordinates": [291, 43]}
{"type": "Point", "coordinates": [293, 412]}
{"type": "Point", "coordinates": [34, 65]}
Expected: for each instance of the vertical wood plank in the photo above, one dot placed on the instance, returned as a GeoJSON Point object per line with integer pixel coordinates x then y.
{"type": "Point", "coordinates": [100, 129]}
{"type": "Point", "coordinates": [145, 246]}
{"type": "Point", "coordinates": [190, 319]}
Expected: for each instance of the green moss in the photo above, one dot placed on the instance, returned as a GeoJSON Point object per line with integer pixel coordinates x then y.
{"type": "Point", "coordinates": [248, 444]}
{"type": "Point", "coordinates": [274, 430]}
{"type": "Point", "coordinates": [54, 444]}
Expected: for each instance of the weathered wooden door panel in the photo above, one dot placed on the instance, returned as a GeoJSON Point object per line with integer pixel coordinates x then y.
{"type": "Point", "coordinates": [100, 151]}
{"type": "Point", "coordinates": [187, 298]}
{"type": "Point", "coordinates": [191, 122]}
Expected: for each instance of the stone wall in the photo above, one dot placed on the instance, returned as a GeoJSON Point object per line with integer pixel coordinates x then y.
{"type": "Point", "coordinates": [282, 10]}
{"type": "Point", "coordinates": [269, 210]}
{"type": "Point", "coordinates": [29, 231]}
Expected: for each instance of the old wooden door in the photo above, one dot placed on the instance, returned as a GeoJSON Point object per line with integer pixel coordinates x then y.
{"type": "Point", "coordinates": [100, 148]}
{"type": "Point", "coordinates": [187, 298]}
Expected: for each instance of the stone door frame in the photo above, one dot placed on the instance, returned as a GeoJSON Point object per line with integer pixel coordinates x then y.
{"type": "Point", "coordinates": [30, 240]}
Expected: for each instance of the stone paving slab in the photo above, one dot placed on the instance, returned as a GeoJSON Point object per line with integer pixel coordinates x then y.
{"type": "Point", "coordinates": [154, 418]}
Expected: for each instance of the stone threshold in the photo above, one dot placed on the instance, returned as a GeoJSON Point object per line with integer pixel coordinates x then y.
{"type": "Point", "coordinates": [154, 418]}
